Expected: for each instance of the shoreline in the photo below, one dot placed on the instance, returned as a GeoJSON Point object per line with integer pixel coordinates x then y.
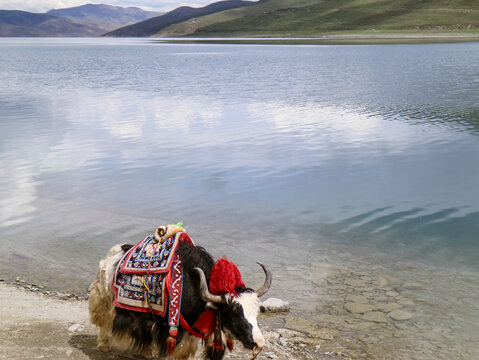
{"type": "Point", "coordinates": [38, 326]}
{"type": "Point", "coordinates": [353, 312]}
{"type": "Point", "coordinates": [332, 39]}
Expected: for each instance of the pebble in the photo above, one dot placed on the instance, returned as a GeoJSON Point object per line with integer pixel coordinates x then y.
{"type": "Point", "coordinates": [359, 308]}
{"type": "Point", "coordinates": [375, 316]}
{"type": "Point", "coordinates": [76, 328]}
{"type": "Point", "coordinates": [357, 299]}
{"type": "Point", "coordinates": [282, 341]}
{"type": "Point", "coordinates": [323, 334]}
{"type": "Point", "coordinates": [400, 315]}
{"type": "Point", "coordinates": [388, 307]}
{"type": "Point", "coordinates": [406, 302]}
{"type": "Point", "coordinates": [412, 286]}
{"type": "Point", "coordinates": [275, 305]}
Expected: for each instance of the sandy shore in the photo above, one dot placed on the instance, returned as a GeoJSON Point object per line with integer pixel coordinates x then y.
{"type": "Point", "coordinates": [35, 326]}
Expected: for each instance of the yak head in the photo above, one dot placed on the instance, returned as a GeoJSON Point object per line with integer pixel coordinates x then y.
{"type": "Point", "coordinates": [238, 305]}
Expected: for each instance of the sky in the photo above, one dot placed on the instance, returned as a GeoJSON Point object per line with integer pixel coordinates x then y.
{"type": "Point", "coordinates": [41, 6]}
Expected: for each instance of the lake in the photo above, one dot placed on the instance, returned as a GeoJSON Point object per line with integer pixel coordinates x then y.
{"type": "Point", "coordinates": [351, 170]}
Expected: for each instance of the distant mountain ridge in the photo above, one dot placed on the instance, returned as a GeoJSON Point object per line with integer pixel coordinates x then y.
{"type": "Point", "coordinates": [154, 25]}
{"type": "Point", "coordinates": [105, 14]}
{"type": "Point", "coordinates": [85, 20]}
{"type": "Point", "coordinates": [22, 23]}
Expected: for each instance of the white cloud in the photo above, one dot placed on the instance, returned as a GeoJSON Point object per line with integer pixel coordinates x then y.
{"type": "Point", "coordinates": [45, 5]}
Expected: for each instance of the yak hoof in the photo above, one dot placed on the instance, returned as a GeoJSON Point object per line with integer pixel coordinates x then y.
{"type": "Point", "coordinates": [104, 347]}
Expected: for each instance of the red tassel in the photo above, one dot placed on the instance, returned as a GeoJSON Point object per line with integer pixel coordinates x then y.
{"type": "Point", "coordinates": [230, 344]}
{"type": "Point", "coordinates": [217, 344]}
{"type": "Point", "coordinates": [170, 344]}
{"type": "Point", "coordinates": [206, 322]}
{"type": "Point", "coordinates": [171, 340]}
{"type": "Point", "coordinates": [225, 278]}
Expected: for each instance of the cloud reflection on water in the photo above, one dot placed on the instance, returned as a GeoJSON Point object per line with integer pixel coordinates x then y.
{"type": "Point", "coordinates": [264, 140]}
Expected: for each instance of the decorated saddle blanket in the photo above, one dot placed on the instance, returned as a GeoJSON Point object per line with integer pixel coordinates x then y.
{"type": "Point", "coordinates": [143, 275]}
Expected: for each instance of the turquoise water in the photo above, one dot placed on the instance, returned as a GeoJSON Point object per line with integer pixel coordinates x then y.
{"type": "Point", "coordinates": [364, 156]}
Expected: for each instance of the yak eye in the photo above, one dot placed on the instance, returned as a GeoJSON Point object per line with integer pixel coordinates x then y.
{"type": "Point", "coordinates": [161, 231]}
{"type": "Point", "coordinates": [236, 309]}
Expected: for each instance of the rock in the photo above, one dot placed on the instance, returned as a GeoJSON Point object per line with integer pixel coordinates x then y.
{"type": "Point", "coordinates": [299, 324]}
{"type": "Point", "coordinates": [362, 326]}
{"type": "Point", "coordinates": [357, 299]}
{"type": "Point", "coordinates": [288, 333]}
{"type": "Point", "coordinates": [269, 355]}
{"type": "Point", "coordinates": [275, 305]}
{"type": "Point", "coordinates": [400, 315]}
{"type": "Point", "coordinates": [391, 280]}
{"type": "Point", "coordinates": [382, 281]}
{"type": "Point", "coordinates": [358, 308]}
{"type": "Point", "coordinates": [62, 296]}
{"type": "Point", "coordinates": [406, 302]}
{"type": "Point", "coordinates": [392, 293]}
{"type": "Point", "coordinates": [375, 316]}
{"type": "Point", "coordinates": [356, 283]}
{"type": "Point", "coordinates": [293, 268]}
{"type": "Point", "coordinates": [336, 321]}
{"type": "Point", "coordinates": [320, 282]}
{"type": "Point", "coordinates": [409, 294]}
{"type": "Point", "coordinates": [323, 334]}
{"type": "Point", "coordinates": [388, 307]}
{"type": "Point", "coordinates": [18, 278]}
{"type": "Point", "coordinates": [271, 336]}
{"type": "Point", "coordinates": [282, 341]}
{"type": "Point", "coordinates": [76, 328]}
{"type": "Point", "coordinates": [412, 286]}
{"type": "Point", "coordinates": [301, 341]}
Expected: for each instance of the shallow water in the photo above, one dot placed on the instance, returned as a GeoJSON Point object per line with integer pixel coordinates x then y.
{"type": "Point", "coordinates": [359, 156]}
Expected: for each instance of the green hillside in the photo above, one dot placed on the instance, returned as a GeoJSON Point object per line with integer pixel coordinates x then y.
{"type": "Point", "coordinates": [318, 17]}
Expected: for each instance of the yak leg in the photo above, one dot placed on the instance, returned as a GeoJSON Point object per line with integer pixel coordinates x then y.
{"type": "Point", "coordinates": [104, 340]}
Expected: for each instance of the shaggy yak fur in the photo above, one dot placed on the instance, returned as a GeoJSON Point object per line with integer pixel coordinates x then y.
{"type": "Point", "coordinates": [146, 333]}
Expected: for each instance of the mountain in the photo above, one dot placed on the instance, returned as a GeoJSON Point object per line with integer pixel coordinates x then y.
{"type": "Point", "coordinates": [154, 25]}
{"type": "Point", "coordinates": [317, 17]}
{"type": "Point", "coordinates": [22, 23]}
{"type": "Point", "coordinates": [108, 16]}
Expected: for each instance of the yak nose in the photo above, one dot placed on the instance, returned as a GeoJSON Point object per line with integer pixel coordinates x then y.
{"type": "Point", "coordinates": [256, 350]}
{"type": "Point", "coordinates": [259, 343]}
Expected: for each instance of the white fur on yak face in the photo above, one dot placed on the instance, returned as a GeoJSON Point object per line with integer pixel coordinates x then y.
{"type": "Point", "coordinates": [250, 303]}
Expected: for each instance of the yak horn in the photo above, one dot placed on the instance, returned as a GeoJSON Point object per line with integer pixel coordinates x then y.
{"type": "Point", "coordinates": [205, 292]}
{"type": "Point", "coordinates": [267, 282]}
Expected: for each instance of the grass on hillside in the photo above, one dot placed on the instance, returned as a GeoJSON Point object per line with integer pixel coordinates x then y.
{"type": "Point", "coordinates": [303, 18]}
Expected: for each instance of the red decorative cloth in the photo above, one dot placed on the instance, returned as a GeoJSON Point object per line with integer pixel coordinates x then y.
{"type": "Point", "coordinates": [225, 278]}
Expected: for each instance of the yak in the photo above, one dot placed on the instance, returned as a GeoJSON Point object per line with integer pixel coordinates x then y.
{"type": "Point", "coordinates": [147, 333]}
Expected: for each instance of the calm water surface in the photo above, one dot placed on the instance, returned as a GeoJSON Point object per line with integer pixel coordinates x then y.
{"type": "Point", "coordinates": [364, 156]}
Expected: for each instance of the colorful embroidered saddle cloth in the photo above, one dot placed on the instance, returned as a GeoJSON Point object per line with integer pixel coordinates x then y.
{"type": "Point", "coordinates": [143, 274]}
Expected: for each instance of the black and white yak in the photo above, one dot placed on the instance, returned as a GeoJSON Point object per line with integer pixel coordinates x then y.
{"type": "Point", "coordinates": [147, 334]}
